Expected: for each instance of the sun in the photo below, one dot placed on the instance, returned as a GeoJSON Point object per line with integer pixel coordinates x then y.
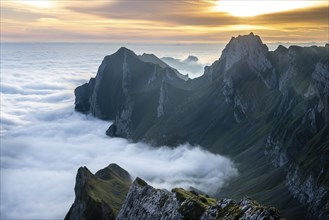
{"type": "Point", "coordinates": [37, 3]}
{"type": "Point", "coordinates": [254, 8]}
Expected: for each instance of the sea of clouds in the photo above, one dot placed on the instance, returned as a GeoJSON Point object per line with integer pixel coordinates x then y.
{"type": "Point", "coordinates": [44, 141]}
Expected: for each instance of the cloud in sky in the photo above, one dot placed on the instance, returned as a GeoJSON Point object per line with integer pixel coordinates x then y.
{"type": "Point", "coordinates": [200, 13]}
{"type": "Point", "coordinates": [44, 141]}
{"type": "Point", "coordinates": [158, 21]}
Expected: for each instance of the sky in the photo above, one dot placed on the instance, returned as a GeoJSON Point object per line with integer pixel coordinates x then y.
{"type": "Point", "coordinates": [158, 21]}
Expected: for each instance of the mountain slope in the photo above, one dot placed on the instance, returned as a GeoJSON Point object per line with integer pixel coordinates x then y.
{"type": "Point", "coordinates": [99, 196]}
{"type": "Point", "coordinates": [103, 196]}
{"type": "Point", "coordinates": [145, 202]}
{"type": "Point", "coordinates": [267, 110]}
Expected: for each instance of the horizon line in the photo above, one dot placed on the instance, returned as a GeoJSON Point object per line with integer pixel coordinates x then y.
{"type": "Point", "coordinates": [155, 43]}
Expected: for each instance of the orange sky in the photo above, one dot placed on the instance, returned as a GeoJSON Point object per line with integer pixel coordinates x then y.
{"type": "Point", "coordinates": [160, 21]}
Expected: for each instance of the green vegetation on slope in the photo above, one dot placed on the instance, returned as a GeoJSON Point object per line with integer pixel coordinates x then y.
{"type": "Point", "coordinates": [99, 196]}
{"type": "Point", "coordinates": [111, 187]}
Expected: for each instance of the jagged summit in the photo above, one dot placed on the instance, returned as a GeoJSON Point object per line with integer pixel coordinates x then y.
{"type": "Point", "coordinates": [119, 55]}
{"type": "Point", "coordinates": [249, 47]}
{"type": "Point", "coordinates": [281, 49]}
{"type": "Point", "coordinates": [119, 77]}
{"type": "Point", "coordinates": [99, 196]}
{"type": "Point", "coordinates": [124, 50]}
{"type": "Point", "coordinates": [113, 171]}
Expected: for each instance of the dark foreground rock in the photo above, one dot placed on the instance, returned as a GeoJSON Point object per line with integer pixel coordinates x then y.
{"type": "Point", "coordinates": [99, 196]}
{"type": "Point", "coordinates": [145, 202]}
{"type": "Point", "coordinates": [105, 196]}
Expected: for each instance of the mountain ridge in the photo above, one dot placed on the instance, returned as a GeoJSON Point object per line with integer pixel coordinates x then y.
{"type": "Point", "coordinates": [252, 104]}
{"type": "Point", "coordinates": [99, 196]}
{"type": "Point", "coordinates": [142, 201]}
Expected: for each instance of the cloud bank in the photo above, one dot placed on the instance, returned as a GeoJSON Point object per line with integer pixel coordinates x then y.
{"type": "Point", "coordinates": [39, 163]}
{"type": "Point", "coordinates": [44, 141]}
{"type": "Point", "coordinates": [189, 65]}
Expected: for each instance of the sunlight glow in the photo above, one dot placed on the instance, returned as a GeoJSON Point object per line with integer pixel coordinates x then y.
{"type": "Point", "coordinates": [197, 21]}
{"type": "Point", "coordinates": [254, 8]}
{"type": "Point", "coordinates": [37, 3]}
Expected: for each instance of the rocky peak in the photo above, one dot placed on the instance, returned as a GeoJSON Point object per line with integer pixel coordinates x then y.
{"type": "Point", "coordinates": [105, 196]}
{"type": "Point", "coordinates": [112, 74]}
{"type": "Point", "coordinates": [249, 47]}
{"type": "Point", "coordinates": [82, 178]}
{"type": "Point", "coordinates": [99, 196]}
{"type": "Point", "coordinates": [113, 171]}
{"type": "Point", "coordinates": [124, 50]}
{"type": "Point", "coordinates": [281, 49]}
{"type": "Point", "coordinates": [145, 202]}
{"type": "Point", "coordinates": [118, 57]}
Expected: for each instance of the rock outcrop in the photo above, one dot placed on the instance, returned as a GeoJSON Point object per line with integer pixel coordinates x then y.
{"type": "Point", "coordinates": [99, 196]}
{"type": "Point", "coordinates": [82, 96]}
{"type": "Point", "coordinates": [145, 202]}
{"type": "Point", "coordinates": [267, 110]}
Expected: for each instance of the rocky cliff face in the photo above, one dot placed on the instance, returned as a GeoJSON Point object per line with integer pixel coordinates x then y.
{"type": "Point", "coordinates": [123, 84]}
{"type": "Point", "coordinates": [250, 49]}
{"type": "Point", "coordinates": [142, 201]}
{"type": "Point", "coordinates": [267, 110]}
{"type": "Point", "coordinates": [145, 202]}
{"type": "Point", "coordinates": [99, 196]}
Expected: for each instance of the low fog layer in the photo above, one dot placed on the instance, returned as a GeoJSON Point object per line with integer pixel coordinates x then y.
{"type": "Point", "coordinates": [39, 163]}
{"type": "Point", "coordinates": [44, 142]}
{"type": "Point", "coordinates": [190, 65]}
